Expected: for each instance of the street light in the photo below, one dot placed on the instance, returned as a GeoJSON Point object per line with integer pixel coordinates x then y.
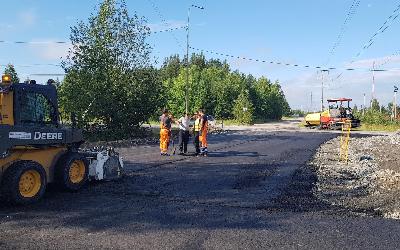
{"type": "Point", "coordinates": [187, 57]}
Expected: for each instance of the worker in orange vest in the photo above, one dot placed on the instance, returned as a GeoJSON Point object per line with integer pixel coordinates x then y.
{"type": "Point", "coordinates": [165, 132]}
{"type": "Point", "coordinates": [203, 133]}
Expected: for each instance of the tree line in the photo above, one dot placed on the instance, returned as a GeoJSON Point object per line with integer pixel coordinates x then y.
{"type": "Point", "coordinates": [377, 114]}
{"type": "Point", "coordinates": [224, 93]}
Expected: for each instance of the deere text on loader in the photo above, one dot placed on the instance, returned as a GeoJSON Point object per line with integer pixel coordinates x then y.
{"type": "Point", "coordinates": [35, 149]}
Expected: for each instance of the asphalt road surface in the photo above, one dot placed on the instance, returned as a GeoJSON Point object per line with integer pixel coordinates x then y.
{"type": "Point", "coordinates": [254, 191]}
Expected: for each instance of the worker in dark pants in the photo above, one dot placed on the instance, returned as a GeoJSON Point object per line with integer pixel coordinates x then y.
{"type": "Point", "coordinates": [183, 123]}
{"type": "Point", "coordinates": [196, 134]}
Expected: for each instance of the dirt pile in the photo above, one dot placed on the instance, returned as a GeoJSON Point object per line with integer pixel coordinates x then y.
{"type": "Point", "coordinates": [369, 183]}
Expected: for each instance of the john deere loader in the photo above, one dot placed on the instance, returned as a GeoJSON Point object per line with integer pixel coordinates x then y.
{"type": "Point", "coordinates": [36, 149]}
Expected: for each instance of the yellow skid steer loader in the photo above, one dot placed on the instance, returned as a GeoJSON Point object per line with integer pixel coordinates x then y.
{"type": "Point", "coordinates": [36, 149]}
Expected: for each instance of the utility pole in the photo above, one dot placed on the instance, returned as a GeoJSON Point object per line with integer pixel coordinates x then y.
{"type": "Point", "coordinates": [187, 57]}
{"type": "Point", "coordinates": [311, 107]}
{"type": "Point", "coordinates": [395, 103]}
{"type": "Point", "coordinates": [373, 84]}
{"type": "Point", "coordinates": [322, 92]}
{"type": "Point", "coordinates": [322, 88]}
{"type": "Point", "coordinates": [364, 104]}
{"type": "Point", "coordinates": [187, 64]}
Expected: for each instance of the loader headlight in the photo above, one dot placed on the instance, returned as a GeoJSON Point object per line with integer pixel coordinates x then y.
{"type": "Point", "coordinates": [6, 79]}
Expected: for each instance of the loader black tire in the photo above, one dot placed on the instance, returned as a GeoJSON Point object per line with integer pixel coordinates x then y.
{"type": "Point", "coordinates": [24, 182]}
{"type": "Point", "coordinates": [72, 171]}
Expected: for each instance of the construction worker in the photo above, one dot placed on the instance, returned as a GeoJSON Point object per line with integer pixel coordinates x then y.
{"type": "Point", "coordinates": [196, 133]}
{"type": "Point", "coordinates": [203, 133]}
{"type": "Point", "coordinates": [165, 132]}
{"type": "Point", "coordinates": [183, 122]}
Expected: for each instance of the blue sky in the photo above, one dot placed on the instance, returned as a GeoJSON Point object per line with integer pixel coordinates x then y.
{"type": "Point", "coordinates": [295, 32]}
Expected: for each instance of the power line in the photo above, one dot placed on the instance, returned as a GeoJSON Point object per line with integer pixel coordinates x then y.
{"type": "Point", "coordinates": [388, 59]}
{"type": "Point", "coordinates": [32, 65]}
{"type": "Point", "coordinates": [34, 42]}
{"type": "Point", "coordinates": [322, 68]}
{"type": "Point", "coordinates": [68, 42]}
{"type": "Point", "coordinates": [349, 16]}
{"type": "Point", "coordinates": [169, 30]}
{"type": "Point", "coordinates": [48, 74]}
{"type": "Point", "coordinates": [388, 22]}
{"type": "Point", "coordinates": [158, 12]}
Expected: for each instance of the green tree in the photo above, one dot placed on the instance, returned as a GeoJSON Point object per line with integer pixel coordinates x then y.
{"type": "Point", "coordinates": [375, 105]}
{"type": "Point", "coordinates": [270, 100]}
{"type": "Point", "coordinates": [355, 109]}
{"type": "Point", "coordinates": [171, 68]}
{"type": "Point", "coordinates": [10, 70]}
{"type": "Point", "coordinates": [243, 108]}
{"type": "Point", "coordinates": [109, 77]}
{"type": "Point", "coordinates": [199, 60]}
{"type": "Point", "coordinates": [214, 86]}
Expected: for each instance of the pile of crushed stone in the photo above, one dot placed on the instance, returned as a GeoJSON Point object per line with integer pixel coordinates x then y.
{"type": "Point", "coordinates": [369, 183]}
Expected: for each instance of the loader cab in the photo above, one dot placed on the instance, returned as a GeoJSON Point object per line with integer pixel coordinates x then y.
{"type": "Point", "coordinates": [29, 105]}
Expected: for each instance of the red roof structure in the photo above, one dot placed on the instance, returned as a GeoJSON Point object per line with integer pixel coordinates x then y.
{"type": "Point", "coordinates": [340, 100]}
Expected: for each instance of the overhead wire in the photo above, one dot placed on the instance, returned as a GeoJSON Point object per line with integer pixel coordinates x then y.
{"type": "Point", "coordinates": [32, 65]}
{"type": "Point", "coordinates": [320, 68]}
{"type": "Point", "coordinates": [164, 21]}
{"type": "Point", "coordinates": [169, 30]}
{"type": "Point", "coordinates": [61, 42]}
{"type": "Point", "coordinates": [388, 22]}
{"type": "Point", "coordinates": [343, 28]}
{"type": "Point", "coordinates": [68, 42]}
{"type": "Point", "coordinates": [388, 59]}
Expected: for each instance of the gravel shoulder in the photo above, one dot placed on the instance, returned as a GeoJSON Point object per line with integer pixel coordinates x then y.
{"type": "Point", "coordinates": [369, 184]}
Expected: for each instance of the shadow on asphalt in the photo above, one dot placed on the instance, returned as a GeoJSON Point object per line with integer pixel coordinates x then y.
{"type": "Point", "coordinates": [216, 192]}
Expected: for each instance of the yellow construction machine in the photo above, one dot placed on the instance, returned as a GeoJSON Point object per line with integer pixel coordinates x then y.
{"type": "Point", "coordinates": [334, 117]}
{"type": "Point", "coordinates": [36, 149]}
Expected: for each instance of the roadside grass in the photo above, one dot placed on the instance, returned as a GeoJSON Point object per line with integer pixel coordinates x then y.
{"type": "Point", "coordinates": [368, 127]}
{"type": "Point", "coordinates": [379, 127]}
{"type": "Point", "coordinates": [302, 124]}
{"type": "Point", "coordinates": [233, 122]}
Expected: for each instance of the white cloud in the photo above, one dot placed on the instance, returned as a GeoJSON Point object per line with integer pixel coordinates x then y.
{"type": "Point", "coordinates": [47, 50]}
{"type": "Point", "coordinates": [368, 63]}
{"type": "Point", "coordinates": [170, 24]}
{"type": "Point", "coordinates": [69, 18]}
{"type": "Point", "coordinates": [6, 26]}
{"type": "Point", "coordinates": [351, 84]}
{"type": "Point", "coordinates": [28, 17]}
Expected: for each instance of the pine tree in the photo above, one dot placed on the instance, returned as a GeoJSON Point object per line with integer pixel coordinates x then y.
{"type": "Point", "coordinates": [10, 70]}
